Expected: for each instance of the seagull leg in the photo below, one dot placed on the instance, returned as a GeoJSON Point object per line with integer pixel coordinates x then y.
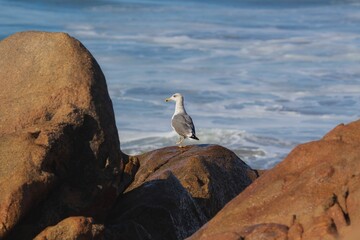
{"type": "Point", "coordinates": [181, 139]}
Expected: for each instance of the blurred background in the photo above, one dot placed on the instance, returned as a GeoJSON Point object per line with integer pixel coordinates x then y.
{"type": "Point", "coordinates": [258, 76]}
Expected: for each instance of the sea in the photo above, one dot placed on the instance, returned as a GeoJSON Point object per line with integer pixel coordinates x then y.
{"type": "Point", "coordinates": [258, 76]}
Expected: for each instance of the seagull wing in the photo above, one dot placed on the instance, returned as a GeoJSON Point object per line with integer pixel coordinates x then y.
{"type": "Point", "coordinates": [183, 125]}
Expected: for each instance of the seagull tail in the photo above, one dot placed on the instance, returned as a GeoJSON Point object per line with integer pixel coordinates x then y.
{"type": "Point", "coordinates": [194, 137]}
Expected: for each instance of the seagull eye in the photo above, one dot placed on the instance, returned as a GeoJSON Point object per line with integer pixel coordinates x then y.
{"type": "Point", "coordinates": [174, 96]}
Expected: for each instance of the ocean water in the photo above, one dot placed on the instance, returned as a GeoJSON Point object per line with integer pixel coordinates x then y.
{"type": "Point", "coordinates": [259, 77]}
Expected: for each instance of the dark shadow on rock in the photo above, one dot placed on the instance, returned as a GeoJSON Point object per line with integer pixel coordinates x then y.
{"type": "Point", "coordinates": [78, 191]}
{"type": "Point", "coordinates": [161, 208]}
{"type": "Point", "coordinates": [127, 230]}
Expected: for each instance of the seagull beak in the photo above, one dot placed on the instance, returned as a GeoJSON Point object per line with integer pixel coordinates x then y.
{"type": "Point", "coordinates": [167, 100]}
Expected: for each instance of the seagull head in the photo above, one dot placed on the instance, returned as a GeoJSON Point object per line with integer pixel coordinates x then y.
{"type": "Point", "coordinates": [177, 97]}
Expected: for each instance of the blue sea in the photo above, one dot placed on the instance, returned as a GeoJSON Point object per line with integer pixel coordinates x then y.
{"type": "Point", "coordinates": [258, 76]}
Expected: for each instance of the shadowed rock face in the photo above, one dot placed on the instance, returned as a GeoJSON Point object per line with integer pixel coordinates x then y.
{"type": "Point", "coordinates": [312, 194]}
{"type": "Point", "coordinates": [176, 190]}
{"type": "Point", "coordinates": [59, 148]}
{"type": "Point", "coordinates": [158, 209]}
{"type": "Point", "coordinates": [212, 174]}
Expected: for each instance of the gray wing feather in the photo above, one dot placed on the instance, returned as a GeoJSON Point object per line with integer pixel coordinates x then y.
{"type": "Point", "coordinates": [183, 125]}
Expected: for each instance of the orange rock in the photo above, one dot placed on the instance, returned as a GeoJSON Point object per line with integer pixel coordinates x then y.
{"type": "Point", "coordinates": [75, 228]}
{"type": "Point", "coordinates": [59, 144]}
{"type": "Point", "coordinates": [268, 231]}
{"type": "Point", "coordinates": [295, 232]}
{"type": "Point", "coordinates": [322, 227]}
{"type": "Point", "coordinates": [317, 185]}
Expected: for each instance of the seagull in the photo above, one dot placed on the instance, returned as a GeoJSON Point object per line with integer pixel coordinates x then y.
{"type": "Point", "coordinates": [181, 122]}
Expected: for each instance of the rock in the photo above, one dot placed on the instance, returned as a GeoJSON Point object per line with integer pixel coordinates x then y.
{"type": "Point", "coordinates": [176, 190]}
{"type": "Point", "coordinates": [158, 209]}
{"type": "Point", "coordinates": [314, 193]}
{"type": "Point", "coordinates": [212, 174]}
{"type": "Point", "coordinates": [266, 231]}
{"type": "Point", "coordinates": [59, 146]}
{"type": "Point", "coordinates": [73, 228]}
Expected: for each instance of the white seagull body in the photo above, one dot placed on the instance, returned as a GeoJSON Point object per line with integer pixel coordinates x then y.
{"type": "Point", "coordinates": [181, 122]}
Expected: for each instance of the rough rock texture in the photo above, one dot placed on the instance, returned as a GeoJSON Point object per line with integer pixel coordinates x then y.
{"type": "Point", "coordinates": [212, 174]}
{"type": "Point", "coordinates": [158, 209]}
{"type": "Point", "coordinates": [176, 190]}
{"type": "Point", "coordinates": [73, 228]}
{"type": "Point", "coordinates": [313, 194]}
{"type": "Point", "coordinates": [59, 146]}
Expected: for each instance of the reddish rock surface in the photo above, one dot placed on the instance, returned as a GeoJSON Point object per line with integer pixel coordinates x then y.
{"type": "Point", "coordinates": [59, 145]}
{"type": "Point", "coordinates": [176, 190]}
{"type": "Point", "coordinates": [312, 194]}
{"type": "Point", "coordinates": [73, 228]}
